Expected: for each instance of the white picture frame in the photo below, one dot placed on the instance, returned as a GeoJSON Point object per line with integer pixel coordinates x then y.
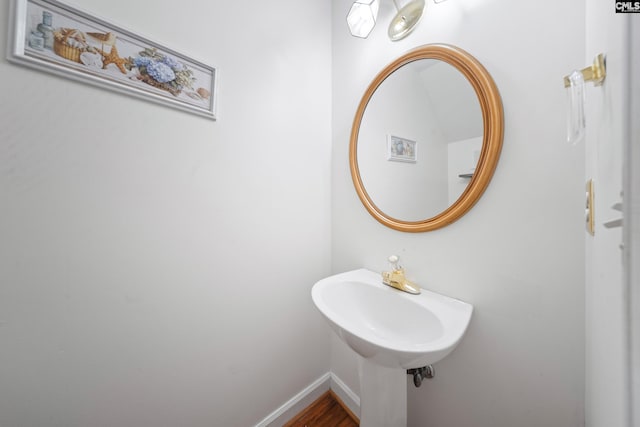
{"type": "Point", "coordinates": [401, 149]}
{"type": "Point", "coordinates": [51, 36]}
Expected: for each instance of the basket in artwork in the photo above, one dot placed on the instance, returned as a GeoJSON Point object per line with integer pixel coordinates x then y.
{"type": "Point", "coordinates": [67, 52]}
{"type": "Point", "coordinates": [164, 86]}
{"type": "Point", "coordinates": [162, 71]}
{"type": "Point", "coordinates": [69, 43]}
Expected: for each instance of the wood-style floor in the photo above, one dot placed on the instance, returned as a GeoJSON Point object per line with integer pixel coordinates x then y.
{"type": "Point", "coordinates": [327, 411]}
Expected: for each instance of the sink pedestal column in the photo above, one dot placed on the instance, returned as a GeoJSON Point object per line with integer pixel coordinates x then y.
{"type": "Point", "coordinates": [383, 395]}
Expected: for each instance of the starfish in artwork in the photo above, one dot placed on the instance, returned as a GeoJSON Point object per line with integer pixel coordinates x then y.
{"type": "Point", "coordinates": [113, 58]}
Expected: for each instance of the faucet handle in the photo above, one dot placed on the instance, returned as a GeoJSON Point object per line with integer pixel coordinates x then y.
{"type": "Point", "coordinates": [393, 260]}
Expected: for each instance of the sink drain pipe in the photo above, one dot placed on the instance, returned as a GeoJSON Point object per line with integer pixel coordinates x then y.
{"type": "Point", "coordinates": [420, 374]}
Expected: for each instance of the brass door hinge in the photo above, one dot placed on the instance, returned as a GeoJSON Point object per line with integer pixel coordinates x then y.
{"type": "Point", "coordinates": [589, 211]}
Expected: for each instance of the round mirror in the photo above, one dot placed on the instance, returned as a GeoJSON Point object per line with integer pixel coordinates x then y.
{"type": "Point", "coordinates": [426, 138]}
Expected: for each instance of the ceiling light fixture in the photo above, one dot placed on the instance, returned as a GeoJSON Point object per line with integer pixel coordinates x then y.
{"type": "Point", "coordinates": [362, 17]}
{"type": "Point", "coordinates": [363, 14]}
{"type": "Point", "coordinates": [406, 19]}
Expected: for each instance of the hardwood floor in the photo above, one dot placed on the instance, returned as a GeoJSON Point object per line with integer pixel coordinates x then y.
{"type": "Point", "coordinates": [327, 411]}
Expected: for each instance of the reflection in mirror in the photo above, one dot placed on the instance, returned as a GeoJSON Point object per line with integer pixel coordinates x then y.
{"type": "Point", "coordinates": [430, 103]}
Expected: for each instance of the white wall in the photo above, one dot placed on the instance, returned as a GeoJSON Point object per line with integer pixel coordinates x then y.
{"type": "Point", "coordinates": [518, 255]}
{"type": "Point", "coordinates": [155, 266]}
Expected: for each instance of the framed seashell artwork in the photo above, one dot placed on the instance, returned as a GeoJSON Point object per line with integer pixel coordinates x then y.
{"type": "Point", "coordinates": [51, 36]}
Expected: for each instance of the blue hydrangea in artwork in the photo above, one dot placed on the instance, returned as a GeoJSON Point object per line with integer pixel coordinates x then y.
{"type": "Point", "coordinates": [142, 61]}
{"type": "Point", "coordinates": [173, 63]}
{"type": "Point", "coordinates": [160, 72]}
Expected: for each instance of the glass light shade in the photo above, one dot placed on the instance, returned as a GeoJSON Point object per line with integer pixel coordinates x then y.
{"type": "Point", "coordinates": [362, 17]}
{"type": "Point", "coordinates": [406, 20]}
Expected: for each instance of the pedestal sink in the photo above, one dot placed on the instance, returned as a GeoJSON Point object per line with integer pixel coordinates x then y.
{"type": "Point", "coordinates": [393, 331]}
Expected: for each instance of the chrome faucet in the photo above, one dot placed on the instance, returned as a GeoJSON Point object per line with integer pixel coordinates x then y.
{"type": "Point", "coordinates": [396, 279]}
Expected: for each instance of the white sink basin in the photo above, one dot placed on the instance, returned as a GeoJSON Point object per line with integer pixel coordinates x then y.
{"type": "Point", "coordinates": [387, 326]}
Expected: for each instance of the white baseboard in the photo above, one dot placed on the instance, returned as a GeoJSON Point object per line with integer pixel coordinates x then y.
{"type": "Point", "coordinates": [345, 394]}
{"type": "Point", "coordinates": [310, 394]}
{"type": "Point", "coordinates": [297, 403]}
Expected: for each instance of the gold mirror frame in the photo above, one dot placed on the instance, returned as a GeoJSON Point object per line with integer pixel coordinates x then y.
{"type": "Point", "coordinates": [492, 117]}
